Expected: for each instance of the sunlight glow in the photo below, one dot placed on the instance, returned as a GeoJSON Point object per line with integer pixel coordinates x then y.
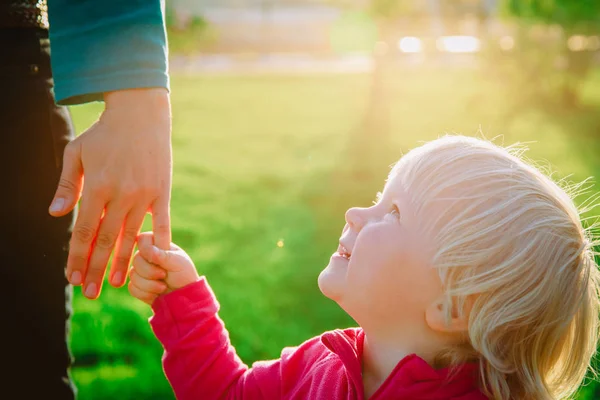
{"type": "Point", "coordinates": [577, 43]}
{"type": "Point", "coordinates": [381, 48]}
{"type": "Point", "coordinates": [458, 44]}
{"type": "Point", "coordinates": [593, 43]}
{"type": "Point", "coordinates": [410, 44]}
{"type": "Point", "coordinates": [506, 43]}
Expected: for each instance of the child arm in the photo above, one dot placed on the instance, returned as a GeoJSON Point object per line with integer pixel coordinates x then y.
{"type": "Point", "coordinates": [199, 361]}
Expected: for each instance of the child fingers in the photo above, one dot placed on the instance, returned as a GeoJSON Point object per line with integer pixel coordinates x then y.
{"type": "Point", "coordinates": [147, 285]}
{"type": "Point", "coordinates": [145, 245]}
{"type": "Point", "coordinates": [147, 270]}
{"type": "Point", "coordinates": [136, 292]}
{"type": "Point", "coordinates": [154, 255]}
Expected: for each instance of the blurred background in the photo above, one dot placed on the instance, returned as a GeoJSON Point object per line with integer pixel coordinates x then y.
{"type": "Point", "coordinates": [287, 112]}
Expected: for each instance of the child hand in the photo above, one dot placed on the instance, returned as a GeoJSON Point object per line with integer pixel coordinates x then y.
{"type": "Point", "coordinates": [156, 271]}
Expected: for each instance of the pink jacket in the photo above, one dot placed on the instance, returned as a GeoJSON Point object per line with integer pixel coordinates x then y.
{"type": "Point", "coordinates": [200, 362]}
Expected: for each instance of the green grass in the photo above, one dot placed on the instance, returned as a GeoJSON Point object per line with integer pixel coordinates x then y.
{"type": "Point", "coordinates": [257, 160]}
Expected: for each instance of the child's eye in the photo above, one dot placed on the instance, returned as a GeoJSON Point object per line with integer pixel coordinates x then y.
{"type": "Point", "coordinates": [395, 212]}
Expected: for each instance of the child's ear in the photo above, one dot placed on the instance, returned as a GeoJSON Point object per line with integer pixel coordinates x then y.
{"type": "Point", "coordinates": [435, 317]}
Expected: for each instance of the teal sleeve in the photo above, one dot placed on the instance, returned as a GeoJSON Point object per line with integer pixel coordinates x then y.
{"type": "Point", "coordinates": [99, 46]}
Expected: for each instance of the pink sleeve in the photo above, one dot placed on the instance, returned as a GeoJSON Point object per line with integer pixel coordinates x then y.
{"type": "Point", "coordinates": [199, 361]}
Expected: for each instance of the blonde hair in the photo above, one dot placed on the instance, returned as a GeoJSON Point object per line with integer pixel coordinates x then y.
{"type": "Point", "coordinates": [511, 246]}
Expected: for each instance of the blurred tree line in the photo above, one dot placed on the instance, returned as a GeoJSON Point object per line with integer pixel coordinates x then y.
{"type": "Point", "coordinates": [556, 46]}
{"type": "Point", "coordinates": [553, 47]}
{"type": "Point", "coordinates": [187, 33]}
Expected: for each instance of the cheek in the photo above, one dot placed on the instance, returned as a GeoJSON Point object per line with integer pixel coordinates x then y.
{"type": "Point", "coordinates": [392, 272]}
{"type": "Point", "coordinates": [376, 261]}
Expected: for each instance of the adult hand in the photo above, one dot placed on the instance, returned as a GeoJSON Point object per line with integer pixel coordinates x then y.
{"type": "Point", "coordinates": [125, 158]}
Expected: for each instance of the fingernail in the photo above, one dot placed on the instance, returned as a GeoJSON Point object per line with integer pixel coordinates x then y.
{"type": "Point", "coordinates": [57, 204]}
{"type": "Point", "coordinates": [90, 291]}
{"type": "Point", "coordinates": [117, 278]}
{"type": "Point", "coordinates": [76, 278]}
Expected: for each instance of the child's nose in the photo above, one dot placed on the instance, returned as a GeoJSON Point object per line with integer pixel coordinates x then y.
{"type": "Point", "coordinates": [355, 218]}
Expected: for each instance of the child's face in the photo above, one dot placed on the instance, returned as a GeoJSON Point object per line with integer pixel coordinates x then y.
{"type": "Point", "coordinates": [386, 274]}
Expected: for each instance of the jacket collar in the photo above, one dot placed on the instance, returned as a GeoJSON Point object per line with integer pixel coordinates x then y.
{"type": "Point", "coordinates": [412, 378]}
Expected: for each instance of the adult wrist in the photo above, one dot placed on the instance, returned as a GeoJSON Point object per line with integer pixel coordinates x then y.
{"type": "Point", "coordinates": [153, 98]}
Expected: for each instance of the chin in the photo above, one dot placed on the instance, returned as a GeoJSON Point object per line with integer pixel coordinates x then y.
{"type": "Point", "coordinates": [327, 287]}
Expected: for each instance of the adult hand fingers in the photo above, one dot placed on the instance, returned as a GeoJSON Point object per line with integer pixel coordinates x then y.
{"type": "Point", "coordinates": [125, 244]}
{"type": "Point", "coordinates": [161, 222]}
{"type": "Point", "coordinates": [70, 182]}
{"type": "Point", "coordinates": [84, 233]}
{"type": "Point", "coordinates": [103, 246]}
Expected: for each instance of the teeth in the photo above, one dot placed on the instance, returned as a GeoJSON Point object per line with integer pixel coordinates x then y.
{"type": "Point", "coordinates": [344, 252]}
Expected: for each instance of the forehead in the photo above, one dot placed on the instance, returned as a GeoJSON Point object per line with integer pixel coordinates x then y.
{"type": "Point", "coordinates": [394, 186]}
{"type": "Point", "coordinates": [396, 191]}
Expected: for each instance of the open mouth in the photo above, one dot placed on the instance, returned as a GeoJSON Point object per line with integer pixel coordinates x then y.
{"type": "Point", "coordinates": [342, 251]}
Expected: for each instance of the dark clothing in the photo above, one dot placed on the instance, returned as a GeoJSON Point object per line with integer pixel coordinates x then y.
{"type": "Point", "coordinates": [97, 46]}
{"type": "Point", "coordinates": [33, 244]}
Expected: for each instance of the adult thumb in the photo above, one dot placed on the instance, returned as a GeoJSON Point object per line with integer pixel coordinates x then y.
{"type": "Point", "coordinates": [70, 183]}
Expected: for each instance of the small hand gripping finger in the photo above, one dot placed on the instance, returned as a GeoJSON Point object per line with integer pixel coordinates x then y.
{"type": "Point", "coordinates": [146, 297]}
{"type": "Point", "coordinates": [146, 269]}
{"type": "Point", "coordinates": [153, 286]}
{"type": "Point", "coordinates": [152, 254]}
